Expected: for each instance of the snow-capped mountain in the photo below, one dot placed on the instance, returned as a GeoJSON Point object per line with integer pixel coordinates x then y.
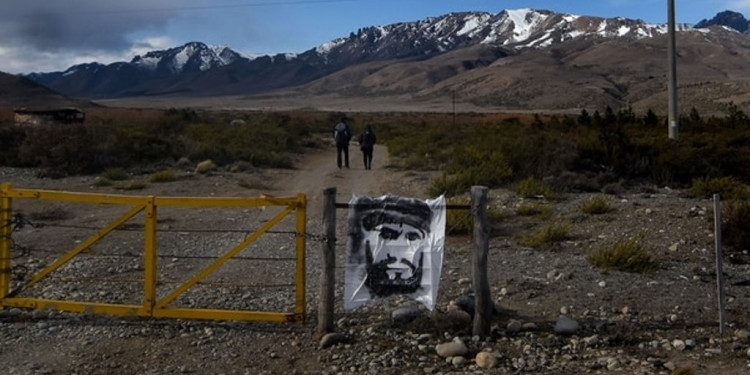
{"type": "Point", "coordinates": [516, 29]}
{"type": "Point", "coordinates": [456, 42]}
{"type": "Point", "coordinates": [191, 57]}
{"type": "Point", "coordinates": [97, 80]}
{"type": "Point", "coordinates": [727, 18]}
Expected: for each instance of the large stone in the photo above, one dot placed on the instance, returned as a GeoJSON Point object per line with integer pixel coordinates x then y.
{"type": "Point", "coordinates": [405, 313]}
{"type": "Point", "coordinates": [566, 326]}
{"type": "Point", "coordinates": [514, 326]}
{"type": "Point", "coordinates": [458, 318]}
{"type": "Point", "coordinates": [331, 339]}
{"type": "Point", "coordinates": [486, 359]}
{"type": "Point", "coordinates": [678, 344]}
{"type": "Point", "coordinates": [452, 349]}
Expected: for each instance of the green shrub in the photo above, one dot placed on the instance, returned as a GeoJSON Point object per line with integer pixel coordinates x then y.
{"type": "Point", "coordinates": [596, 206]}
{"type": "Point", "coordinates": [472, 167]}
{"type": "Point", "coordinates": [551, 233]}
{"type": "Point", "coordinates": [624, 255]}
{"type": "Point", "coordinates": [115, 174]}
{"type": "Point", "coordinates": [458, 222]}
{"type": "Point", "coordinates": [66, 150]}
{"type": "Point", "coordinates": [11, 138]}
{"type": "Point", "coordinates": [272, 159]}
{"type": "Point", "coordinates": [533, 188]}
{"type": "Point", "coordinates": [166, 175]}
{"type": "Point", "coordinates": [735, 215]}
{"type": "Point", "coordinates": [727, 187]}
{"type": "Point", "coordinates": [461, 221]}
{"type": "Point", "coordinates": [445, 185]}
{"type": "Point", "coordinates": [533, 209]}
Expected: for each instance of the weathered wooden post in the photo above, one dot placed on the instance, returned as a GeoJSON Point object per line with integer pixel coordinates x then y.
{"type": "Point", "coordinates": [483, 301]}
{"type": "Point", "coordinates": [328, 276]}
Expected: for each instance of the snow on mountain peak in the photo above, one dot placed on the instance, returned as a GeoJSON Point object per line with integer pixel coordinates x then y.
{"type": "Point", "coordinates": [328, 46]}
{"type": "Point", "coordinates": [196, 55]}
{"type": "Point", "coordinates": [523, 21]}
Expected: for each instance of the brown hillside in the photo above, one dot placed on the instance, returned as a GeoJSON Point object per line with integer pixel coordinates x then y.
{"type": "Point", "coordinates": [17, 91]}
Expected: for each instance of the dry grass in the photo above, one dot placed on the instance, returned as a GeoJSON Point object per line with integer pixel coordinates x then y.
{"type": "Point", "coordinates": [549, 234]}
{"type": "Point", "coordinates": [624, 255]}
{"type": "Point", "coordinates": [596, 206]}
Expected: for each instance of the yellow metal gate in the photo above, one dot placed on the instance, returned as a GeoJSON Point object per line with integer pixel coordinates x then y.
{"type": "Point", "coordinates": [157, 295]}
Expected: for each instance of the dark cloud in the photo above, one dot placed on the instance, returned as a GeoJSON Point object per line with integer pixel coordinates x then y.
{"type": "Point", "coordinates": [54, 25]}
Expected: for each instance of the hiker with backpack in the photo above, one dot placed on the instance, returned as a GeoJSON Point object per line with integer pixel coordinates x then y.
{"type": "Point", "coordinates": [367, 144]}
{"type": "Point", "coordinates": [342, 136]}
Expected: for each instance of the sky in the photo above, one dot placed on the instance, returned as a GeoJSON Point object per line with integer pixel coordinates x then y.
{"type": "Point", "coordinates": [53, 35]}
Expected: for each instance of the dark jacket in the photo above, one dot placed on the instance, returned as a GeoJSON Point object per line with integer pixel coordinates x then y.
{"type": "Point", "coordinates": [367, 138]}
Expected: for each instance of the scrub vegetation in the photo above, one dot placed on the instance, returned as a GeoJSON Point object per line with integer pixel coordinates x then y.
{"type": "Point", "coordinates": [539, 157]}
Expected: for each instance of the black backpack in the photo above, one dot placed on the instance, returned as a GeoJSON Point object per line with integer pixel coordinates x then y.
{"type": "Point", "coordinates": [341, 133]}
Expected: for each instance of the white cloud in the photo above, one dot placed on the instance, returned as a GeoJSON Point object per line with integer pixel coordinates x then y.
{"type": "Point", "coordinates": [738, 5]}
{"type": "Point", "coordinates": [52, 35]}
{"type": "Point", "coordinates": [148, 44]}
{"type": "Point", "coordinates": [28, 60]}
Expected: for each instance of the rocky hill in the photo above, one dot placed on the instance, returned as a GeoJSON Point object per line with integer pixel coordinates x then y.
{"type": "Point", "coordinates": [17, 91]}
{"type": "Point", "coordinates": [514, 60]}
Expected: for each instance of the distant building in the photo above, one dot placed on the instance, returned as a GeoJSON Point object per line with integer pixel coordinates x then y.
{"type": "Point", "coordinates": [37, 117]}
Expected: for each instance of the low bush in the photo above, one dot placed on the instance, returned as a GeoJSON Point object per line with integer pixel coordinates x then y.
{"type": "Point", "coordinates": [735, 215]}
{"type": "Point", "coordinates": [166, 175]}
{"type": "Point", "coordinates": [272, 160]}
{"type": "Point", "coordinates": [130, 185]}
{"type": "Point", "coordinates": [533, 209]}
{"type": "Point", "coordinates": [623, 255]}
{"type": "Point", "coordinates": [472, 167]}
{"type": "Point", "coordinates": [550, 233]}
{"type": "Point", "coordinates": [461, 221]}
{"type": "Point", "coordinates": [727, 187]}
{"type": "Point", "coordinates": [532, 188]}
{"type": "Point", "coordinates": [596, 206]}
{"type": "Point", "coordinates": [115, 174]}
{"type": "Point", "coordinates": [102, 182]}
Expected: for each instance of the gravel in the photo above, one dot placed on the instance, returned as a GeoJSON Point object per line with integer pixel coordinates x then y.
{"type": "Point", "coordinates": [555, 313]}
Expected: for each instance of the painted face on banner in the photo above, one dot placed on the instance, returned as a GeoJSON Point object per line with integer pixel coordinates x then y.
{"type": "Point", "coordinates": [394, 258]}
{"type": "Point", "coordinates": [394, 247]}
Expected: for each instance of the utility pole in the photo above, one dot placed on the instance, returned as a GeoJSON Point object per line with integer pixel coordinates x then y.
{"type": "Point", "coordinates": [674, 120]}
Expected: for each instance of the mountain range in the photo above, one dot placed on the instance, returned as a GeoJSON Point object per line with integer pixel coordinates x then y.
{"type": "Point", "coordinates": [520, 59]}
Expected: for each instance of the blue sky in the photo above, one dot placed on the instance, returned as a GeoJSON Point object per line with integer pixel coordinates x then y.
{"type": "Point", "coordinates": [52, 35]}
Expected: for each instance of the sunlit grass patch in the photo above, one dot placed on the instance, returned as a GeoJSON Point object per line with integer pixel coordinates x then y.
{"type": "Point", "coordinates": [624, 255]}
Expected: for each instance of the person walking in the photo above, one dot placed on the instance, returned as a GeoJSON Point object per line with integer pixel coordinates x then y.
{"type": "Point", "coordinates": [367, 144]}
{"type": "Point", "coordinates": [342, 136]}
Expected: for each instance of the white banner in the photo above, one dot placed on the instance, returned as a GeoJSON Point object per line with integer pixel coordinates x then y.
{"type": "Point", "coordinates": [394, 247]}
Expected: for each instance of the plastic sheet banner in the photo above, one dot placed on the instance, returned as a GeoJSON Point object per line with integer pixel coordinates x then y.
{"type": "Point", "coordinates": [394, 247]}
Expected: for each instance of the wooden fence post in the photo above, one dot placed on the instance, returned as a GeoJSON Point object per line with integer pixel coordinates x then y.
{"type": "Point", "coordinates": [328, 276]}
{"type": "Point", "coordinates": [483, 301]}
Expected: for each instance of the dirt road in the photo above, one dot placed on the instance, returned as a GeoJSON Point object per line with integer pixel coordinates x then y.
{"type": "Point", "coordinates": [317, 170]}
